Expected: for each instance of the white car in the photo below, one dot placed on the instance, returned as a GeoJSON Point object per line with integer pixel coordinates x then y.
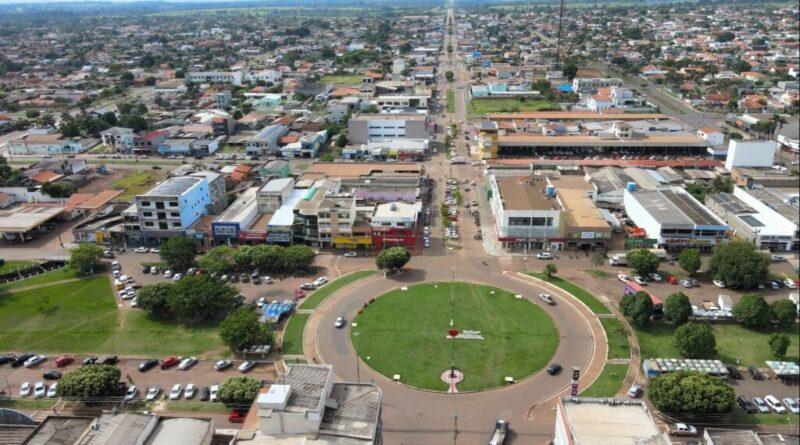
{"type": "Point", "coordinates": [134, 302]}
{"type": "Point", "coordinates": [656, 277]}
{"type": "Point", "coordinates": [320, 281]}
{"type": "Point", "coordinates": [544, 256]}
{"type": "Point", "coordinates": [152, 393]}
{"type": "Point", "coordinates": [719, 283]}
{"type": "Point", "coordinates": [168, 273]}
{"type": "Point", "coordinates": [266, 279]}
{"type": "Point", "coordinates": [775, 404]}
{"type": "Point", "coordinates": [40, 389]}
{"type": "Point", "coordinates": [51, 391]}
{"type": "Point", "coordinates": [177, 277]}
{"type": "Point", "coordinates": [339, 323]}
{"type": "Point", "coordinates": [191, 390]}
{"type": "Point", "coordinates": [140, 250]}
{"type": "Point", "coordinates": [547, 298]}
{"type": "Point", "coordinates": [789, 283]}
{"type": "Point", "coordinates": [213, 393]}
{"type": "Point", "coordinates": [624, 278]}
{"type": "Point", "coordinates": [261, 302]}
{"type": "Point", "coordinates": [154, 250]}
{"type": "Point", "coordinates": [176, 391]}
{"type": "Point", "coordinates": [760, 405]}
{"type": "Point", "coordinates": [25, 389]}
{"type": "Point", "coordinates": [350, 254]}
{"type": "Point", "coordinates": [640, 280]}
{"type": "Point", "coordinates": [792, 404]}
{"type": "Point", "coordinates": [131, 394]}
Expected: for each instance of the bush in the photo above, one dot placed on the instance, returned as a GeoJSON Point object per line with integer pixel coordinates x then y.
{"type": "Point", "coordinates": [643, 261]}
{"type": "Point", "coordinates": [242, 329]}
{"type": "Point", "coordinates": [691, 393]}
{"type": "Point", "coordinates": [752, 311]}
{"type": "Point", "coordinates": [90, 383]}
{"type": "Point", "coordinates": [677, 308]}
{"type": "Point", "coordinates": [695, 340]}
{"type": "Point", "coordinates": [238, 391]}
{"type": "Point", "coordinates": [84, 257]}
{"type": "Point", "coordinates": [783, 312]}
{"type": "Point", "coordinates": [739, 265]}
{"type": "Point", "coordinates": [393, 258]}
{"type": "Point", "coordinates": [779, 344]}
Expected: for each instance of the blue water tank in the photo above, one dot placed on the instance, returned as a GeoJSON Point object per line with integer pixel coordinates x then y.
{"type": "Point", "coordinates": [550, 190]}
{"type": "Point", "coordinates": [631, 187]}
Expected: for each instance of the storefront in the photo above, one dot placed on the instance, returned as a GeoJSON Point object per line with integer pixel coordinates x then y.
{"type": "Point", "coordinates": [352, 242]}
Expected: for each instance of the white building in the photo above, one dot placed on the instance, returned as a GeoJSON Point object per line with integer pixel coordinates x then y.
{"type": "Point", "coordinates": [758, 216]}
{"type": "Point", "coordinates": [606, 422]}
{"type": "Point", "coordinates": [523, 211]}
{"type": "Point", "coordinates": [274, 193]}
{"type": "Point", "coordinates": [398, 66]}
{"type": "Point", "coordinates": [266, 140]}
{"type": "Point", "coordinates": [589, 84]}
{"type": "Point", "coordinates": [711, 135]}
{"type": "Point", "coordinates": [751, 153]}
{"type": "Point", "coordinates": [118, 138]}
{"type": "Point", "coordinates": [398, 215]}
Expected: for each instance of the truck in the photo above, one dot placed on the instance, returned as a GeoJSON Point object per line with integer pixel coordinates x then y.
{"type": "Point", "coordinates": [618, 259]}
{"type": "Point", "coordinates": [682, 429]}
{"type": "Point", "coordinates": [724, 302]}
{"type": "Point", "coordinates": [499, 433]}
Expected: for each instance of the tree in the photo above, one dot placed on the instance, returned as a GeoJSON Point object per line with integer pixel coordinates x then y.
{"type": "Point", "coordinates": [597, 259]}
{"type": "Point", "coordinates": [739, 265]}
{"type": "Point", "coordinates": [90, 383]}
{"type": "Point", "coordinates": [126, 78]}
{"type": "Point", "coordinates": [570, 70]}
{"type": "Point", "coordinates": [626, 304]}
{"type": "Point", "coordinates": [449, 76]}
{"type": "Point", "coordinates": [643, 261]}
{"type": "Point", "coordinates": [778, 344]}
{"type": "Point", "coordinates": [393, 258]}
{"type": "Point", "coordinates": [641, 310]}
{"type": "Point", "coordinates": [341, 140]}
{"type": "Point", "coordinates": [150, 81]}
{"type": "Point", "coordinates": [242, 329]}
{"type": "Point", "coordinates": [783, 312]}
{"type": "Point", "coordinates": [156, 299]}
{"type": "Point", "coordinates": [695, 340]}
{"type": "Point", "coordinates": [218, 260]}
{"type": "Point", "coordinates": [684, 392]}
{"type": "Point", "coordinates": [59, 189]}
{"type": "Point", "coordinates": [238, 391]}
{"type": "Point", "coordinates": [549, 270]}
{"type": "Point", "coordinates": [299, 259]}
{"type": "Point", "coordinates": [200, 297]}
{"type": "Point", "coordinates": [677, 308]}
{"type": "Point", "coordinates": [689, 260]}
{"type": "Point", "coordinates": [752, 311]}
{"type": "Point", "coordinates": [178, 252]}
{"type": "Point", "coordinates": [84, 257]}
{"type": "Point", "coordinates": [725, 36]}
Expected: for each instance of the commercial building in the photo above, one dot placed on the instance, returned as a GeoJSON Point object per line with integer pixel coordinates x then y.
{"type": "Point", "coordinates": [172, 207]}
{"type": "Point", "coordinates": [606, 422]}
{"type": "Point", "coordinates": [384, 149]}
{"type": "Point", "coordinates": [365, 127]}
{"type": "Point", "coordinates": [23, 222]}
{"type": "Point", "coordinates": [674, 218]}
{"type": "Point", "coordinates": [239, 216]}
{"type": "Point", "coordinates": [308, 402]}
{"type": "Point", "coordinates": [307, 146]}
{"type": "Point", "coordinates": [759, 217]}
{"type": "Point", "coordinates": [589, 84]}
{"type": "Point", "coordinates": [551, 213]}
{"type": "Point", "coordinates": [276, 168]}
{"type": "Point", "coordinates": [44, 141]}
{"type": "Point", "coordinates": [265, 141]}
{"type": "Point", "coordinates": [750, 153]}
{"type": "Point", "coordinates": [395, 224]}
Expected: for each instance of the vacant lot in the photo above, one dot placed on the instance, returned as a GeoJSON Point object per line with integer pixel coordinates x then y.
{"type": "Point", "coordinates": [136, 183]}
{"type": "Point", "coordinates": [484, 106]}
{"type": "Point", "coordinates": [341, 80]}
{"type": "Point", "coordinates": [405, 332]}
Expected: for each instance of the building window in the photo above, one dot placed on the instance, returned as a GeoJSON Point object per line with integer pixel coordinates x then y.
{"type": "Point", "coordinates": [174, 215]}
{"type": "Point", "coordinates": [147, 214]}
{"type": "Point", "coordinates": [148, 224]}
{"type": "Point", "coordinates": [173, 203]}
{"type": "Point", "coordinates": [145, 203]}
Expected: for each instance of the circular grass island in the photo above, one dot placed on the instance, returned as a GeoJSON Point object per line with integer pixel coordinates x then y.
{"type": "Point", "coordinates": [405, 333]}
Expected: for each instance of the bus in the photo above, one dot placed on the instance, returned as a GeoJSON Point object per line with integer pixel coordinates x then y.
{"type": "Point", "coordinates": [632, 287]}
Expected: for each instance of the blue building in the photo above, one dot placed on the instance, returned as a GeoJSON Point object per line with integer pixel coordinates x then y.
{"type": "Point", "coordinates": [172, 207]}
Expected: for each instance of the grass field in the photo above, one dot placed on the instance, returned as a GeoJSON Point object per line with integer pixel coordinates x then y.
{"type": "Point", "coordinates": [405, 332]}
{"type": "Point", "coordinates": [609, 381]}
{"type": "Point", "coordinates": [188, 406]}
{"type": "Point", "coordinates": [599, 274]}
{"type": "Point", "coordinates": [451, 101]}
{"type": "Point", "coordinates": [293, 335]}
{"type": "Point", "coordinates": [27, 403]}
{"type": "Point", "coordinates": [656, 341]}
{"type": "Point", "coordinates": [41, 279]}
{"type": "Point", "coordinates": [580, 293]}
{"type": "Point", "coordinates": [318, 296]}
{"type": "Point", "coordinates": [12, 265]}
{"type": "Point", "coordinates": [618, 344]}
{"type": "Point", "coordinates": [136, 183]}
{"type": "Point", "coordinates": [81, 316]}
{"type": "Point", "coordinates": [341, 80]}
{"type": "Point", "coordinates": [484, 106]}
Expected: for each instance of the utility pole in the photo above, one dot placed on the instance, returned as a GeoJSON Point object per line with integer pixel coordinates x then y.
{"type": "Point", "coordinates": [560, 34]}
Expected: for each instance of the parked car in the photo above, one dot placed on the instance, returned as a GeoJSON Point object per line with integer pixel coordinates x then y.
{"type": "Point", "coordinates": [187, 363]}
{"type": "Point", "coordinates": [686, 283]}
{"type": "Point", "coordinates": [40, 389]}
{"type": "Point", "coordinates": [155, 250]}
{"type": "Point", "coordinates": [339, 323]}
{"type": "Point", "coordinates": [682, 429]}
{"type": "Point", "coordinates": [51, 391]}
{"type": "Point", "coordinates": [760, 405]}
{"type": "Point", "coordinates": [190, 391]}
{"type": "Point", "coordinates": [89, 360]}
{"type": "Point", "coordinates": [147, 365]}
{"type": "Point", "coordinates": [21, 359]}
{"type": "Point", "coordinates": [204, 394]}
{"type": "Point", "coordinates": [152, 393]}
{"type": "Point", "coordinates": [789, 283]}
{"type": "Point", "coordinates": [110, 360]}
{"type": "Point", "coordinates": [145, 269]}
{"type": "Point", "coordinates": [719, 283]}
{"type": "Point", "coordinates": [177, 277]}
{"type": "Point", "coordinates": [640, 280]}
{"type": "Point", "coordinates": [350, 254]}
{"type": "Point", "coordinates": [237, 416]}
{"type": "Point", "coordinates": [734, 372]}
{"type": "Point", "coordinates": [247, 366]}
{"type": "Point", "coordinates": [52, 375]}
{"type": "Point", "coordinates": [140, 250]}
{"type": "Point", "coordinates": [256, 280]}
{"type": "Point", "coordinates": [261, 302]}
{"type": "Point", "coordinates": [176, 391]}
{"type": "Point", "coordinates": [266, 279]}
{"type": "Point", "coordinates": [168, 273]}
{"type": "Point", "coordinates": [624, 278]}
{"type": "Point", "coordinates": [755, 373]}
{"type": "Point", "coordinates": [775, 404]}
{"type": "Point", "coordinates": [213, 393]}
{"type": "Point", "coordinates": [635, 391]}
{"type": "Point", "coordinates": [792, 404]}
{"type": "Point", "coordinates": [222, 365]}
{"type": "Point", "coordinates": [244, 278]}
{"type": "Point", "coordinates": [132, 393]}
{"type": "Point", "coordinates": [775, 285]}
{"type": "Point", "coordinates": [169, 362]}
{"type": "Point", "coordinates": [299, 293]}
{"type": "Point", "coordinates": [64, 360]}
{"type": "Point", "coordinates": [308, 286]}
{"type": "Point", "coordinates": [554, 369]}
{"type": "Point", "coordinates": [7, 358]}
{"type": "Point", "coordinates": [320, 281]}
{"type": "Point", "coordinates": [746, 405]}
{"type": "Point", "coordinates": [654, 276]}
{"type": "Point", "coordinates": [544, 256]}
{"type": "Point", "coordinates": [547, 298]}
{"type": "Point", "coordinates": [34, 361]}
{"type": "Point", "coordinates": [25, 389]}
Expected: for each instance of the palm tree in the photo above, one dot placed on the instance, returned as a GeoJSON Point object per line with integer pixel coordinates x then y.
{"type": "Point", "coordinates": [720, 184]}
{"type": "Point", "coordinates": [549, 270]}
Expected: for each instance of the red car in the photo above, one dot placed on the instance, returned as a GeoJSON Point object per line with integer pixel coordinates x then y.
{"type": "Point", "coordinates": [169, 362]}
{"type": "Point", "coordinates": [671, 279]}
{"type": "Point", "coordinates": [237, 416]}
{"type": "Point", "coordinates": [64, 360]}
{"type": "Point", "coordinates": [299, 293]}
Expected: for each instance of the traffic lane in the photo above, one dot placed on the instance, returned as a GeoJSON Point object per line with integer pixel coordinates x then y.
{"type": "Point", "coordinates": [408, 405]}
{"type": "Point", "coordinates": [202, 374]}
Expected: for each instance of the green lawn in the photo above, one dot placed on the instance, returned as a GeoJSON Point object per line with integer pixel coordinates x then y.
{"type": "Point", "coordinates": [11, 266]}
{"type": "Point", "coordinates": [136, 183]}
{"type": "Point", "coordinates": [485, 106]}
{"type": "Point", "coordinates": [41, 279]}
{"type": "Point", "coordinates": [82, 316]}
{"type": "Point", "coordinates": [618, 344]}
{"type": "Point", "coordinates": [405, 332]}
{"type": "Point", "coordinates": [293, 334]}
{"type": "Point", "coordinates": [196, 407]}
{"type": "Point", "coordinates": [609, 381]}
{"type": "Point", "coordinates": [599, 274]}
{"type": "Point", "coordinates": [655, 341]}
{"type": "Point", "coordinates": [27, 403]}
{"type": "Point", "coordinates": [451, 101]}
{"type": "Point", "coordinates": [580, 293]}
{"type": "Point", "coordinates": [342, 80]}
{"type": "Point", "coordinates": [319, 295]}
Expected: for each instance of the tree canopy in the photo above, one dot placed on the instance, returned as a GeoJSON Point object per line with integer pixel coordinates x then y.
{"type": "Point", "coordinates": [643, 262]}
{"type": "Point", "coordinates": [677, 308]}
{"type": "Point", "coordinates": [90, 383]}
{"type": "Point", "coordinates": [778, 344]}
{"type": "Point", "coordinates": [638, 306]}
{"type": "Point", "coordinates": [752, 311]}
{"type": "Point", "coordinates": [691, 393]}
{"type": "Point", "coordinates": [238, 391]}
{"type": "Point", "coordinates": [242, 329]}
{"type": "Point", "coordinates": [783, 312]}
{"type": "Point", "coordinates": [739, 265]}
{"type": "Point", "coordinates": [689, 260]}
{"type": "Point", "coordinates": [195, 298]}
{"type": "Point", "coordinates": [393, 258]}
{"type": "Point", "coordinates": [84, 257]}
{"type": "Point", "coordinates": [218, 260]}
{"type": "Point", "coordinates": [179, 252]}
{"type": "Point", "coordinates": [695, 340]}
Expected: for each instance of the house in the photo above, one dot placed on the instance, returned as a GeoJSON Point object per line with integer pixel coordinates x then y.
{"type": "Point", "coordinates": [277, 168]}
{"type": "Point", "coordinates": [47, 141]}
{"type": "Point", "coordinates": [711, 135]}
{"type": "Point", "coordinates": [266, 140]}
{"type": "Point", "coordinates": [307, 146]}
{"type": "Point", "coordinates": [119, 139]}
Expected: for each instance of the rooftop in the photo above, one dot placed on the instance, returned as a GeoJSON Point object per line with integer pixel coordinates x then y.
{"type": "Point", "coordinates": [333, 170]}
{"type": "Point", "coordinates": [60, 430]}
{"type": "Point", "coordinates": [575, 115]}
{"type": "Point", "coordinates": [238, 211]}
{"type": "Point", "coordinates": [22, 218]}
{"type": "Point", "coordinates": [597, 422]}
{"type": "Point", "coordinates": [389, 116]}
{"type": "Point", "coordinates": [357, 413]}
{"type": "Point", "coordinates": [174, 186]}
{"type": "Point", "coordinates": [675, 207]}
{"type": "Point", "coordinates": [651, 140]}
{"type": "Point", "coordinates": [522, 193]}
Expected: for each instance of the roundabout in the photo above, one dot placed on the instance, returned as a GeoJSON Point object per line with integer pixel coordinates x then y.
{"type": "Point", "coordinates": [405, 333]}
